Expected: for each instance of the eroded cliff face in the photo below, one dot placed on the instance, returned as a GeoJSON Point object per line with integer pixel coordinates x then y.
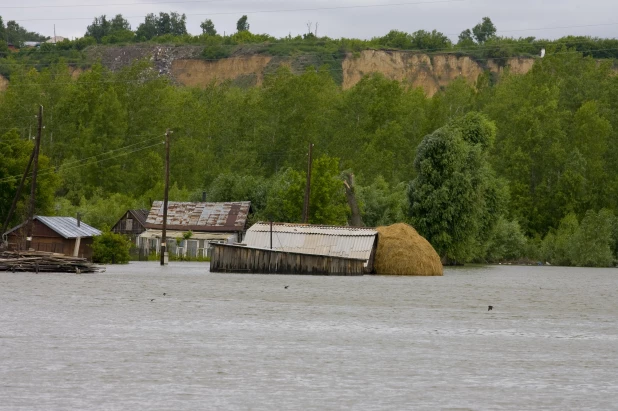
{"type": "Point", "coordinates": [246, 70]}
{"type": "Point", "coordinates": [4, 83]}
{"type": "Point", "coordinates": [185, 67]}
{"type": "Point", "coordinates": [421, 70]}
{"type": "Point", "coordinates": [431, 73]}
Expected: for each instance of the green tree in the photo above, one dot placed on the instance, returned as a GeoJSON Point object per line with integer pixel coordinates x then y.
{"type": "Point", "coordinates": [484, 31]}
{"type": "Point", "coordinates": [242, 25]}
{"type": "Point", "coordinates": [382, 204]}
{"type": "Point", "coordinates": [14, 156]}
{"type": "Point", "coordinates": [454, 199]}
{"type": "Point", "coordinates": [208, 27]}
{"type": "Point", "coordinates": [99, 28]}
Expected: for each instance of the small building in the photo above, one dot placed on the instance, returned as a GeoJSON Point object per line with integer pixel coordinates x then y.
{"type": "Point", "coordinates": [132, 224]}
{"type": "Point", "coordinates": [55, 39]}
{"type": "Point", "coordinates": [300, 249]}
{"type": "Point", "coordinates": [192, 227]}
{"type": "Point", "coordinates": [64, 235]}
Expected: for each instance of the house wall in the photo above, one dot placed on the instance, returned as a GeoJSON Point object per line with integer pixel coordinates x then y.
{"type": "Point", "coordinates": [46, 239]}
{"type": "Point", "coordinates": [128, 225]}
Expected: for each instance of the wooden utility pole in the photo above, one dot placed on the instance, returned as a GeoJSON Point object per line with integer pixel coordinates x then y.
{"type": "Point", "coordinates": [307, 187]}
{"type": "Point", "coordinates": [35, 169]}
{"type": "Point", "coordinates": [165, 197]}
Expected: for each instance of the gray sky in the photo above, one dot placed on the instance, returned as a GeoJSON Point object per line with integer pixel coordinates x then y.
{"type": "Point", "coordinates": [540, 18]}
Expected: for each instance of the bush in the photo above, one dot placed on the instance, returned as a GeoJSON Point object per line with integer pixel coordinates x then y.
{"type": "Point", "coordinates": [589, 244]}
{"type": "Point", "coordinates": [111, 248]}
{"type": "Point", "coordinates": [507, 242]}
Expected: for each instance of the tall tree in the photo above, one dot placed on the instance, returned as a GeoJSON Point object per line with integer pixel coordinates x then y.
{"type": "Point", "coordinates": [99, 28]}
{"type": "Point", "coordinates": [484, 31]}
{"type": "Point", "coordinates": [208, 27]}
{"type": "Point", "coordinates": [454, 198]}
{"type": "Point", "coordinates": [242, 25]}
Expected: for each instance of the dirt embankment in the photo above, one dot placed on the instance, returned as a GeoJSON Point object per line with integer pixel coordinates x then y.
{"type": "Point", "coordinates": [421, 70]}
{"type": "Point", "coordinates": [185, 67]}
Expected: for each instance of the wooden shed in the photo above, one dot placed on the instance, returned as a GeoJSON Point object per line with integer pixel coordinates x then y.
{"type": "Point", "coordinates": [65, 235]}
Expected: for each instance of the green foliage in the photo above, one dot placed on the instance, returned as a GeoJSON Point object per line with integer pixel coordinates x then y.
{"type": "Point", "coordinates": [419, 40]}
{"type": "Point", "coordinates": [484, 30]}
{"type": "Point", "coordinates": [455, 197]}
{"type": "Point", "coordinates": [14, 156]}
{"type": "Point", "coordinates": [111, 248]}
{"type": "Point", "coordinates": [589, 244]}
{"type": "Point", "coordinates": [242, 25]}
{"type": "Point", "coordinates": [208, 27]}
{"type": "Point", "coordinates": [382, 204]}
{"type": "Point", "coordinates": [507, 242]}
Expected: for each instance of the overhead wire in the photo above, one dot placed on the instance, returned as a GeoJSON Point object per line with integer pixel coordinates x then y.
{"type": "Point", "coordinates": [274, 11]}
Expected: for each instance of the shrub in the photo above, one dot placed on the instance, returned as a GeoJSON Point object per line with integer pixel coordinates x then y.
{"type": "Point", "coordinates": [111, 248]}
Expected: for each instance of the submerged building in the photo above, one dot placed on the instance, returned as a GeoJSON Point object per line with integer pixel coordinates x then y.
{"type": "Point", "coordinates": [299, 249]}
{"type": "Point", "coordinates": [193, 226]}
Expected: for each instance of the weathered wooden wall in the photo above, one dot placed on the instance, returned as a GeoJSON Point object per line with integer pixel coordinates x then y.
{"type": "Point", "coordinates": [227, 258]}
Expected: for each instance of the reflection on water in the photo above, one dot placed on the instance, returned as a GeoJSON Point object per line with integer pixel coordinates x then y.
{"type": "Point", "coordinates": [223, 341]}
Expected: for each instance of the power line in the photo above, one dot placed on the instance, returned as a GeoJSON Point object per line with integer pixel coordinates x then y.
{"type": "Point", "coordinates": [111, 4]}
{"type": "Point", "coordinates": [274, 11]}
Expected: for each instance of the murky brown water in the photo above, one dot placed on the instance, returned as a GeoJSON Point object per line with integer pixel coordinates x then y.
{"type": "Point", "coordinates": [222, 341]}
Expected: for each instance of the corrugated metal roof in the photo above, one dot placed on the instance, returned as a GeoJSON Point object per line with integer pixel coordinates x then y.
{"type": "Point", "coordinates": [349, 242]}
{"type": "Point", "coordinates": [200, 216]}
{"type": "Point", "coordinates": [67, 227]}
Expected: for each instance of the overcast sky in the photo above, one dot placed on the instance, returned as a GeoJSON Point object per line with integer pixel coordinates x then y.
{"type": "Point", "coordinates": [336, 18]}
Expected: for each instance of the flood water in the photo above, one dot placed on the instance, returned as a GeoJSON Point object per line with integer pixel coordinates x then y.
{"type": "Point", "coordinates": [244, 342]}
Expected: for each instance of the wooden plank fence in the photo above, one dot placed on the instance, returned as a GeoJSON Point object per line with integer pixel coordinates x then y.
{"type": "Point", "coordinates": [239, 259]}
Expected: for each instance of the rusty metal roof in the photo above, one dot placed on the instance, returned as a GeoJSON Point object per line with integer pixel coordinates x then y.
{"type": "Point", "coordinates": [230, 217]}
{"type": "Point", "coordinates": [349, 242]}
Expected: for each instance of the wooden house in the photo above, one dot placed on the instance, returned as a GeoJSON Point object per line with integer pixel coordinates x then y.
{"type": "Point", "coordinates": [132, 224]}
{"type": "Point", "coordinates": [65, 235]}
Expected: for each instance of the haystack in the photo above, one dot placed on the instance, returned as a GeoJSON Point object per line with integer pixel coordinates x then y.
{"type": "Point", "coordinates": [403, 251]}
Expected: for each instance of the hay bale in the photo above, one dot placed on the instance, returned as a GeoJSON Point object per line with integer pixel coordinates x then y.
{"type": "Point", "coordinates": [403, 251]}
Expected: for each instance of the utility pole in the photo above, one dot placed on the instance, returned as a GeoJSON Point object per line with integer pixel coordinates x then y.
{"type": "Point", "coordinates": [307, 187]}
{"type": "Point", "coordinates": [35, 169]}
{"type": "Point", "coordinates": [165, 196]}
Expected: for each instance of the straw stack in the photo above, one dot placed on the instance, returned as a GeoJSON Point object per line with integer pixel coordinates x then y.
{"type": "Point", "coordinates": [403, 251]}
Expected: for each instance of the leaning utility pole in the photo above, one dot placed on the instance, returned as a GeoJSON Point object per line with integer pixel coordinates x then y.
{"type": "Point", "coordinates": [307, 188]}
{"type": "Point", "coordinates": [35, 169]}
{"type": "Point", "coordinates": [165, 195]}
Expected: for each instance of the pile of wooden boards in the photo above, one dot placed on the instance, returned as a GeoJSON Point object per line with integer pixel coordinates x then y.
{"type": "Point", "coordinates": [42, 262]}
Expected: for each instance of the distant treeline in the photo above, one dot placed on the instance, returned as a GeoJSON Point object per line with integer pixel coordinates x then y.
{"type": "Point", "coordinates": [480, 42]}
